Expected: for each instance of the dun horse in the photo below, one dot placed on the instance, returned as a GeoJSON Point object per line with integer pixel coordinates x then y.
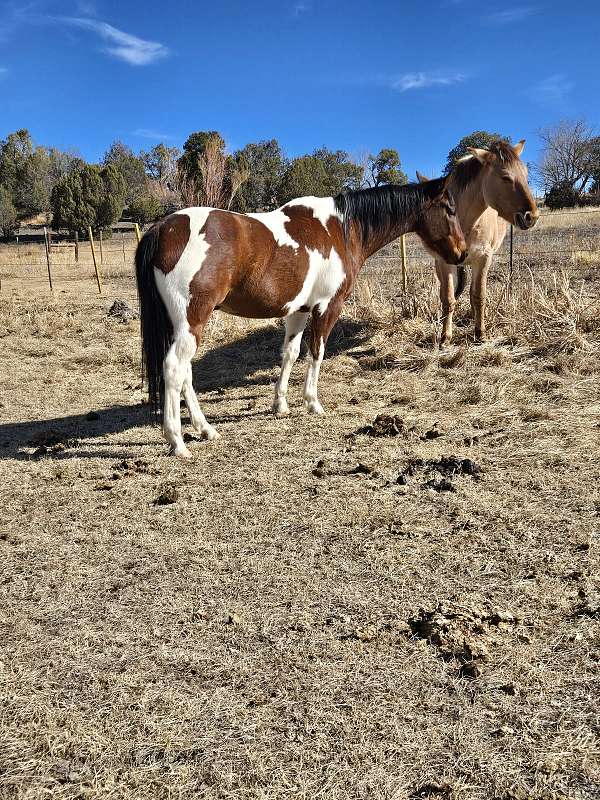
{"type": "Point", "coordinates": [491, 190]}
{"type": "Point", "coordinates": [297, 261]}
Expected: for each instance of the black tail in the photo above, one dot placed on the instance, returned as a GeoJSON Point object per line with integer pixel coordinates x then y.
{"type": "Point", "coordinates": [460, 282]}
{"type": "Point", "coordinates": [155, 325]}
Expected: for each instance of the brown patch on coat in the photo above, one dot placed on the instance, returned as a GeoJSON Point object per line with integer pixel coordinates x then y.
{"type": "Point", "coordinates": [307, 230]}
{"type": "Point", "coordinates": [245, 271]}
{"type": "Point", "coordinates": [173, 236]}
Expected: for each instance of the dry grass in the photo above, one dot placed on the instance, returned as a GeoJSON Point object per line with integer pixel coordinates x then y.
{"type": "Point", "coordinates": [284, 630]}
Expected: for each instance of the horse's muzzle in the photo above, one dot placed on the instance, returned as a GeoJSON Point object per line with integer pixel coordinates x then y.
{"type": "Point", "coordinates": [525, 220]}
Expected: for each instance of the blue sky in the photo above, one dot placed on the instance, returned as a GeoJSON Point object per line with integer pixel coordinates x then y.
{"type": "Point", "coordinates": [354, 75]}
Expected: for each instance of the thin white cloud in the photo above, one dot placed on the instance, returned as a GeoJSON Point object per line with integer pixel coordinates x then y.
{"type": "Point", "coordinates": [552, 91]}
{"type": "Point", "coordinates": [299, 8]}
{"type": "Point", "coordinates": [149, 133]}
{"type": "Point", "coordinates": [510, 15]}
{"type": "Point", "coordinates": [423, 80]}
{"type": "Point", "coordinates": [124, 46]}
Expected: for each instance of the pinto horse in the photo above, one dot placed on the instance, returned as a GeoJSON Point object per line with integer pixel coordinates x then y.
{"type": "Point", "coordinates": [297, 261]}
{"type": "Point", "coordinates": [491, 191]}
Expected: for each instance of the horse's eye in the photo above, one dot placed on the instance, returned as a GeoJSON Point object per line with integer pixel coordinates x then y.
{"type": "Point", "coordinates": [508, 179]}
{"type": "Point", "coordinates": [451, 210]}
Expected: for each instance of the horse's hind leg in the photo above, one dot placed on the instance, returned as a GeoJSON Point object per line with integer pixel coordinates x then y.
{"type": "Point", "coordinates": [175, 370]}
{"type": "Point", "coordinates": [319, 333]}
{"type": "Point", "coordinates": [294, 327]}
{"type": "Point", "coordinates": [204, 428]}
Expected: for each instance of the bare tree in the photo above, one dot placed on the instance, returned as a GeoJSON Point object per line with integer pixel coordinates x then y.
{"type": "Point", "coordinates": [218, 178]}
{"type": "Point", "coordinates": [212, 169]}
{"type": "Point", "coordinates": [567, 155]}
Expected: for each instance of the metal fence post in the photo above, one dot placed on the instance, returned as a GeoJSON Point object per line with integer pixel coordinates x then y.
{"type": "Point", "coordinates": [48, 258]}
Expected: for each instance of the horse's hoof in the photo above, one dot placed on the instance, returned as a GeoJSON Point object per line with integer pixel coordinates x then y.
{"type": "Point", "coordinates": [314, 407]}
{"type": "Point", "coordinates": [210, 434]}
{"type": "Point", "coordinates": [181, 452]}
{"type": "Point", "coordinates": [280, 408]}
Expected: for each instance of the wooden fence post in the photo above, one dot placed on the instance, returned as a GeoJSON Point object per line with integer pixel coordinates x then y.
{"type": "Point", "coordinates": [98, 276]}
{"type": "Point", "coordinates": [48, 258]}
{"type": "Point", "coordinates": [77, 247]}
{"type": "Point", "coordinates": [138, 235]}
{"type": "Point", "coordinates": [403, 252]}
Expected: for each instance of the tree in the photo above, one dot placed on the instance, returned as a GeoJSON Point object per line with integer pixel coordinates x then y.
{"type": "Point", "coordinates": [161, 165]}
{"type": "Point", "coordinates": [265, 164]}
{"type": "Point", "coordinates": [562, 195]}
{"type": "Point", "coordinates": [76, 198]}
{"type": "Point", "coordinates": [570, 156]}
{"type": "Point", "coordinates": [189, 173]}
{"type": "Point", "coordinates": [8, 214]}
{"type": "Point", "coordinates": [130, 166]}
{"type": "Point", "coordinates": [384, 168]}
{"type": "Point", "coordinates": [304, 176]}
{"type": "Point", "coordinates": [342, 172]}
{"type": "Point", "coordinates": [206, 176]}
{"type": "Point", "coordinates": [481, 139]}
{"type": "Point", "coordinates": [113, 197]}
{"type": "Point", "coordinates": [145, 208]}
{"type": "Point", "coordinates": [33, 191]}
{"type": "Point", "coordinates": [88, 197]}
{"type": "Point", "coordinates": [15, 152]}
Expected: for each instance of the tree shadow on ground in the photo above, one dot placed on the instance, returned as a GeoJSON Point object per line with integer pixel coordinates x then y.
{"type": "Point", "coordinates": [241, 363]}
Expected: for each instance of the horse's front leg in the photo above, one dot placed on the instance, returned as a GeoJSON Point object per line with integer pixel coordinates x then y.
{"type": "Point", "coordinates": [480, 268]}
{"type": "Point", "coordinates": [294, 327]}
{"type": "Point", "coordinates": [447, 276]}
{"type": "Point", "coordinates": [322, 323]}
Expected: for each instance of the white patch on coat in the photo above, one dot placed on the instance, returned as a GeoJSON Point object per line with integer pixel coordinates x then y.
{"type": "Point", "coordinates": [174, 287]}
{"type": "Point", "coordinates": [322, 281]}
{"type": "Point", "coordinates": [276, 221]}
{"type": "Point", "coordinates": [323, 208]}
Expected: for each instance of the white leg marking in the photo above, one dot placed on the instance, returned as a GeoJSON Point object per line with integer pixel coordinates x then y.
{"type": "Point", "coordinates": [311, 401]}
{"type": "Point", "coordinates": [174, 371]}
{"type": "Point", "coordinates": [294, 326]}
{"type": "Point", "coordinates": [197, 417]}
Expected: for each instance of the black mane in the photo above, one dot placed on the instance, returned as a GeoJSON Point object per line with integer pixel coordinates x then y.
{"type": "Point", "coordinates": [383, 207]}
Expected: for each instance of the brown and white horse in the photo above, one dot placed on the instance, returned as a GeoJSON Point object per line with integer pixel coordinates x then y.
{"type": "Point", "coordinates": [491, 190]}
{"type": "Point", "coordinates": [300, 260]}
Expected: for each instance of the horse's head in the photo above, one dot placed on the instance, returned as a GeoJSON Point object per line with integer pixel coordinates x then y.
{"type": "Point", "coordinates": [439, 228]}
{"type": "Point", "coordinates": [504, 183]}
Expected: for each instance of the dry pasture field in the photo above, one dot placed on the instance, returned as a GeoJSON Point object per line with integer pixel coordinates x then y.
{"type": "Point", "coordinates": [398, 600]}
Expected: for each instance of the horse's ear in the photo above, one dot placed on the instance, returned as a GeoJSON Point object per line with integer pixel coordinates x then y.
{"type": "Point", "coordinates": [421, 178]}
{"type": "Point", "coordinates": [483, 156]}
{"type": "Point", "coordinates": [518, 148]}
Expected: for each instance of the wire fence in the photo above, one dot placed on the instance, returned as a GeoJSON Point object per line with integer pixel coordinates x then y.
{"type": "Point", "coordinates": [561, 241]}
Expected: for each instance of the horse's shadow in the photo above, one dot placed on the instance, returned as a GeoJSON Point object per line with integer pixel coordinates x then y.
{"type": "Point", "coordinates": [245, 362]}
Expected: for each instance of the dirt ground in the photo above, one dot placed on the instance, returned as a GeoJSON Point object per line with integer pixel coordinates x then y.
{"type": "Point", "coordinates": [397, 600]}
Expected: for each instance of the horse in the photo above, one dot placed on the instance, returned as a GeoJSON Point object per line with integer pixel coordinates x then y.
{"type": "Point", "coordinates": [297, 261]}
{"type": "Point", "coordinates": [491, 190]}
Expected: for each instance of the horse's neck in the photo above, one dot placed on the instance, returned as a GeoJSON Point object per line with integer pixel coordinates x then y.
{"type": "Point", "coordinates": [470, 203]}
{"type": "Point", "coordinates": [381, 238]}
